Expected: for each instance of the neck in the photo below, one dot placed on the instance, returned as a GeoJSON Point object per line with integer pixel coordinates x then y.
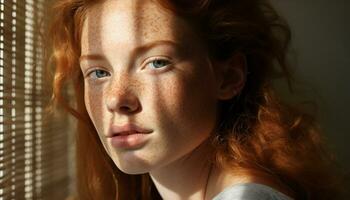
{"type": "Point", "coordinates": [187, 177]}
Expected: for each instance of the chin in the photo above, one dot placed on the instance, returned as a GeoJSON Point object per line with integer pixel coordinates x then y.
{"type": "Point", "coordinates": [133, 168]}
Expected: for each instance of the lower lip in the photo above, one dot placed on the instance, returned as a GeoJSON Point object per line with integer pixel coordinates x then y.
{"type": "Point", "coordinates": [128, 141]}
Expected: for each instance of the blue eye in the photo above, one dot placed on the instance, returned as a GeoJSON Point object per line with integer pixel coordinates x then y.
{"type": "Point", "coordinates": [98, 73]}
{"type": "Point", "coordinates": [159, 63]}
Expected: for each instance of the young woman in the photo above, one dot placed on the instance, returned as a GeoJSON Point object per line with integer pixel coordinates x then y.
{"type": "Point", "coordinates": [174, 100]}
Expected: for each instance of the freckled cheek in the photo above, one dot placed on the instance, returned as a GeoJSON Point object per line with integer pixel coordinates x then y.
{"type": "Point", "coordinates": [189, 101]}
{"type": "Point", "coordinates": [94, 106]}
{"type": "Point", "coordinates": [169, 96]}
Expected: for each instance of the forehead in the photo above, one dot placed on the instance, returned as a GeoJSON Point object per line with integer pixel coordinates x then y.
{"type": "Point", "coordinates": [131, 22]}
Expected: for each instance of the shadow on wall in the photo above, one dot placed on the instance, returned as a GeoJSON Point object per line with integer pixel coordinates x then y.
{"type": "Point", "coordinates": [322, 47]}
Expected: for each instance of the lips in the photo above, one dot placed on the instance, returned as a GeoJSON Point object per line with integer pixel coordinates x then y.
{"type": "Point", "coordinates": [127, 129]}
{"type": "Point", "coordinates": [128, 136]}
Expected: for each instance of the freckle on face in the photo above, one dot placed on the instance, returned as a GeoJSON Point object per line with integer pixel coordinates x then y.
{"type": "Point", "coordinates": [179, 105]}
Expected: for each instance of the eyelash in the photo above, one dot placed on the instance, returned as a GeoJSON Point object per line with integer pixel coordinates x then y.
{"type": "Point", "coordinates": [166, 61]}
{"type": "Point", "coordinates": [95, 71]}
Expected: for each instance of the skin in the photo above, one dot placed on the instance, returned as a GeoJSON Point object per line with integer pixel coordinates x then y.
{"type": "Point", "coordinates": [176, 97]}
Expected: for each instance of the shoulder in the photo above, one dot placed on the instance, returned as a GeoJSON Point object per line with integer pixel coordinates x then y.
{"type": "Point", "coordinates": [250, 191]}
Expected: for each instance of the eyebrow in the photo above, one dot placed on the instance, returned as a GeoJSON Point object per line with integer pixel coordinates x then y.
{"type": "Point", "coordinates": [138, 50]}
{"type": "Point", "coordinates": [91, 57]}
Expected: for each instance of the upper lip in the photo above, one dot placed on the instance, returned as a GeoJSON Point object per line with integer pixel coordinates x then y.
{"type": "Point", "coordinates": [126, 130]}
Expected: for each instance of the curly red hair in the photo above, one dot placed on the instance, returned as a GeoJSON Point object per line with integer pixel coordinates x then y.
{"type": "Point", "coordinates": [257, 131]}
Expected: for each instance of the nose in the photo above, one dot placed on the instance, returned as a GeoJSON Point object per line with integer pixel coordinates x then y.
{"type": "Point", "coordinates": [122, 100]}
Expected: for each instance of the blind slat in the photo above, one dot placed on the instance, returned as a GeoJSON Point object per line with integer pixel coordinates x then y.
{"type": "Point", "coordinates": [33, 143]}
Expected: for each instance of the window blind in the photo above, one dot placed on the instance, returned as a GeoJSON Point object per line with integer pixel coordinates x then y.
{"type": "Point", "coordinates": [33, 143]}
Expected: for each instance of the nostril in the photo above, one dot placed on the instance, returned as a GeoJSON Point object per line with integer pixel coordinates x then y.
{"type": "Point", "coordinates": [125, 103]}
{"type": "Point", "coordinates": [130, 105]}
{"type": "Point", "coordinates": [125, 108]}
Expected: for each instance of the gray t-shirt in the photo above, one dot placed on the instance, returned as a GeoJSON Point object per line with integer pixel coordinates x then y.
{"type": "Point", "coordinates": [250, 191]}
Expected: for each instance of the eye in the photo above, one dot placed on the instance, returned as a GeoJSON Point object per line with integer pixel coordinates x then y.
{"type": "Point", "coordinates": [98, 73]}
{"type": "Point", "coordinates": [158, 63]}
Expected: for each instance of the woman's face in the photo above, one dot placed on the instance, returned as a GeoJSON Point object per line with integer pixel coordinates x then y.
{"type": "Point", "coordinates": [142, 65]}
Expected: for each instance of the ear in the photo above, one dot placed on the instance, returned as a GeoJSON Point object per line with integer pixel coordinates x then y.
{"type": "Point", "coordinates": [231, 76]}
